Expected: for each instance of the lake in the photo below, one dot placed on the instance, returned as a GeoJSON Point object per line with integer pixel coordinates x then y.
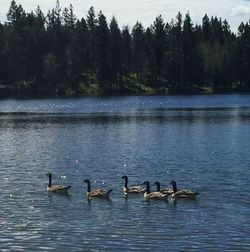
{"type": "Point", "coordinates": [201, 141]}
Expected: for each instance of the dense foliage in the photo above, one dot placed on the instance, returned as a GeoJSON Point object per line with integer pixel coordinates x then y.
{"type": "Point", "coordinates": [58, 54]}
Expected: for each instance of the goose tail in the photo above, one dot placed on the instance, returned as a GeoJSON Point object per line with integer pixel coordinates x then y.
{"type": "Point", "coordinates": [109, 191]}
{"type": "Point", "coordinates": [67, 187]}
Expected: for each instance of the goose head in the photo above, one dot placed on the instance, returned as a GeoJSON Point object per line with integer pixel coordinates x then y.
{"type": "Point", "coordinates": [86, 181]}
{"type": "Point", "coordinates": [124, 177]}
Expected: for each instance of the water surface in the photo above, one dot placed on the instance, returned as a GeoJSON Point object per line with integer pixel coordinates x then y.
{"type": "Point", "coordinates": [202, 142]}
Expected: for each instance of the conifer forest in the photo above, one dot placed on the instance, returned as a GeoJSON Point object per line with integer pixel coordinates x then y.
{"type": "Point", "coordinates": [57, 54]}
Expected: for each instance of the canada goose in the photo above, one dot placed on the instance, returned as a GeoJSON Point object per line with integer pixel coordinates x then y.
{"type": "Point", "coordinates": [184, 194]}
{"type": "Point", "coordinates": [100, 193]}
{"type": "Point", "coordinates": [167, 191]}
{"type": "Point", "coordinates": [153, 195]}
{"type": "Point", "coordinates": [131, 189]}
{"type": "Point", "coordinates": [56, 188]}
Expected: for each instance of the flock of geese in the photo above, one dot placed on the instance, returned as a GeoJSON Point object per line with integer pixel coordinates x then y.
{"type": "Point", "coordinates": [103, 193]}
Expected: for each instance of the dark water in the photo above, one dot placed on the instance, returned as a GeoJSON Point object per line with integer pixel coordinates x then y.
{"type": "Point", "coordinates": [202, 142]}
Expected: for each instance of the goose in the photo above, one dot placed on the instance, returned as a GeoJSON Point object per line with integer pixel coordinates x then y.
{"type": "Point", "coordinates": [153, 195]}
{"type": "Point", "coordinates": [99, 193]}
{"type": "Point", "coordinates": [167, 191]}
{"type": "Point", "coordinates": [56, 188]}
{"type": "Point", "coordinates": [131, 189]}
{"type": "Point", "coordinates": [183, 194]}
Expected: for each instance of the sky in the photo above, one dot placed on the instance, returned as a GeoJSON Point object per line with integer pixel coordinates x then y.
{"type": "Point", "coordinates": [128, 12]}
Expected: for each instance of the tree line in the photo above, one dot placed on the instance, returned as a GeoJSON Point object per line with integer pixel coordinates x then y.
{"type": "Point", "coordinates": [58, 54]}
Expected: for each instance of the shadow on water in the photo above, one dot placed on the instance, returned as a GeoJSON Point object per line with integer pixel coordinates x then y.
{"type": "Point", "coordinates": [96, 200]}
{"type": "Point", "coordinates": [155, 201]}
{"type": "Point", "coordinates": [52, 196]}
{"type": "Point", "coordinates": [156, 115]}
{"type": "Point", "coordinates": [132, 196]}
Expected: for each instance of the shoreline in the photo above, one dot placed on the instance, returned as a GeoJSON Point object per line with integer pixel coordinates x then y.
{"type": "Point", "coordinates": [96, 95]}
{"type": "Point", "coordinates": [94, 90]}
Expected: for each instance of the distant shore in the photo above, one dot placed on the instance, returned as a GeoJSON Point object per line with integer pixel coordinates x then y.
{"type": "Point", "coordinates": [94, 91]}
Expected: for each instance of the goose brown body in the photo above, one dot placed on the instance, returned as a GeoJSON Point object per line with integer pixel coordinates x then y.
{"type": "Point", "coordinates": [131, 189]}
{"type": "Point", "coordinates": [153, 195]}
{"type": "Point", "coordinates": [99, 193]}
{"type": "Point", "coordinates": [56, 188]}
{"type": "Point", "coordinates": [183, 193]}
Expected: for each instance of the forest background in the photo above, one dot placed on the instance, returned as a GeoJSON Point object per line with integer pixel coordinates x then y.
{"type": "Point", "coordinates": [59, 55]}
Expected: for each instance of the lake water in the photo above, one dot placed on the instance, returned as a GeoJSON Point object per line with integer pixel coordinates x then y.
{"type": "Point", "coordinates": [202, 142]}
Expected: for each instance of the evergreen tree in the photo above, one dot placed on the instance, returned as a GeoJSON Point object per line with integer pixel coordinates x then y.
{"type": "Point", "coordinates": [14, 46]}
{"type": "Point", "coordinates": [175, 60]}
{"type": "Point", "coordinates": [188, 52]}
{"type": "Point", "coordinates": [71, 57]}
{"type": "Point", "coordinates": [92, 23]}
{"type": "Point", "coordinates": [159, 48]}
{"type": "Point", "coordinates": [206, 28]}
{"type": "Point", "coordinates": [56, 56]}
{"type": "Point", "coordinates": [149, 75]}
{"type": "Point", "coordinates": [114, 55]}
{"type": "Point", "coordinates": [80, 64]}
{"type": "Point", "coordinates": [138, 52]}
{"type": "Point", "coordinates": [69, 18]}
{"type": "Point", "coordinates": [244, 56]}
{"type": "Point", "coordinates": [34, 43]}
{"type": "Point", "coordinates": [103, 68]}
{"type": "Point", "coordinates": [126, 51]}
{"type": "Point", "coordinates": [16, 16]}
{"type": "Point", "coordinates": [3, 77]}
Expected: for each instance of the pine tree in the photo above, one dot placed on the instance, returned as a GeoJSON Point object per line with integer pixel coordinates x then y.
{"type": "Point", "coordinates": [114, 55]}
{"type": "Point", "coordinates": [188, 52]}
{"type": "Point", "coordinates": [103, 69]}
{"type": "Point", "coordinates": [206, 29]}
{"type": "Point", "coordinates": [138, 45]}
{"type": "Point", "coordinates": [159, 47]}
{"type": "Point", "coordinates": [126, 51]}
{"type": "Point", "coordinates": [92, 21]}
{"type": "Point", "coordinates": [14, 47]}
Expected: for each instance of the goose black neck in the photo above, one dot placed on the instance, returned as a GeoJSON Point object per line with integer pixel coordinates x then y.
{"type": "Point", "coordinates": [88, 189]}
{"type": "Point", "coordinates": [174, 186]}
{"type": "Point", "coordinates": [126, 182]}
{"type": "Point", "coordinates": [147, 187]}
{"type": "Point", "coordinates": [50, 181]}
{"type": "Point", "coordinates": [158, 187]}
